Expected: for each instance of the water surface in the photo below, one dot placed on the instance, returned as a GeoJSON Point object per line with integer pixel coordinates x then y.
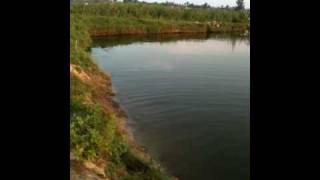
{"type": "Point", "coordinates": [187, 99]}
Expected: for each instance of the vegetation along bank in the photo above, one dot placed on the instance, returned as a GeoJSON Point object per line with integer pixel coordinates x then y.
{"type": "Point", "coordinates": [138, 18]}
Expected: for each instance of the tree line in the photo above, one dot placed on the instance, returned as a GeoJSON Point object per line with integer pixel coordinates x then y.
{"type": "Point", "coordinates": [159, 11]}
{"type": "Point", "coordinates": [240, 5]}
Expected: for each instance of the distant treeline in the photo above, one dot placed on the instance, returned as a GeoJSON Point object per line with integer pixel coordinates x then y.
{"type": "Point", "coordinates": [157, 11]}
{"type": "Point", "coordinates": [240, 4]}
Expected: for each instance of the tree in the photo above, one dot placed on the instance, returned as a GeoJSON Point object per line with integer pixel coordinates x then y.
{"type": "Point", "coordinates": [240, 5]}
{"type": "Point", "coordinates": [205, 5]}
{"type": "Point", "coordinates": [130, 1]}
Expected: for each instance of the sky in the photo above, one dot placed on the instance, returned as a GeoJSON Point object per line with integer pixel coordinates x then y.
{"type": "Point", "coordinates": [211, 2]}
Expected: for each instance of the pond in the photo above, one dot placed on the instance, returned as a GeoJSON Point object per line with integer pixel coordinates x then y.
{"type": "Point", "coordinates": [187, 98]}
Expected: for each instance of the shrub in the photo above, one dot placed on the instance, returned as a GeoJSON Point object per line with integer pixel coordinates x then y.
{"type": "Point", "coordinates": [89, 130]}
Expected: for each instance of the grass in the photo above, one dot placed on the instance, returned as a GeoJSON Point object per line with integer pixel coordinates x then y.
{"type": "Point", "coordinates": [154, 11]}
{"type": "Point", "coordinates": [138, 18]}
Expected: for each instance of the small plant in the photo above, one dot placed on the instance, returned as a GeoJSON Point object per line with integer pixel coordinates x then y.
{"type": "Point", "coordinates": [89, 130]}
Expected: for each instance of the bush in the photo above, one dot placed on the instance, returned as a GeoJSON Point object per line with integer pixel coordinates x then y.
{"type": "Point", "coordinates": [86, 129]}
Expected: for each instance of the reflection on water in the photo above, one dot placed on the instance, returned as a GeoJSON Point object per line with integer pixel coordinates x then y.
{"type": "Point", "coordinates": [187, 98]}
{"type": "Point", "coordinates": [111, 41]}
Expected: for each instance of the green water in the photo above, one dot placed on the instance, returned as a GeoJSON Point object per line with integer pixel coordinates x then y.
{"type": "Point", "coordinates": [188, 100]}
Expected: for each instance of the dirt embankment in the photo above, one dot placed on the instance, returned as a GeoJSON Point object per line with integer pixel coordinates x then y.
{"type": "Point", "coordinates": [196, 27]}
{"type": "Point", "coordinates": [110, 32]}
{"type": "Point", "coordinates": [88, 170]}
{"type": "Point", "coordinates": [103, 95]}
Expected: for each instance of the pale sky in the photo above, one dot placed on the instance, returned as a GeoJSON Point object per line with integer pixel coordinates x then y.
{"type": "Point", "coordinates": [211, 2]}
